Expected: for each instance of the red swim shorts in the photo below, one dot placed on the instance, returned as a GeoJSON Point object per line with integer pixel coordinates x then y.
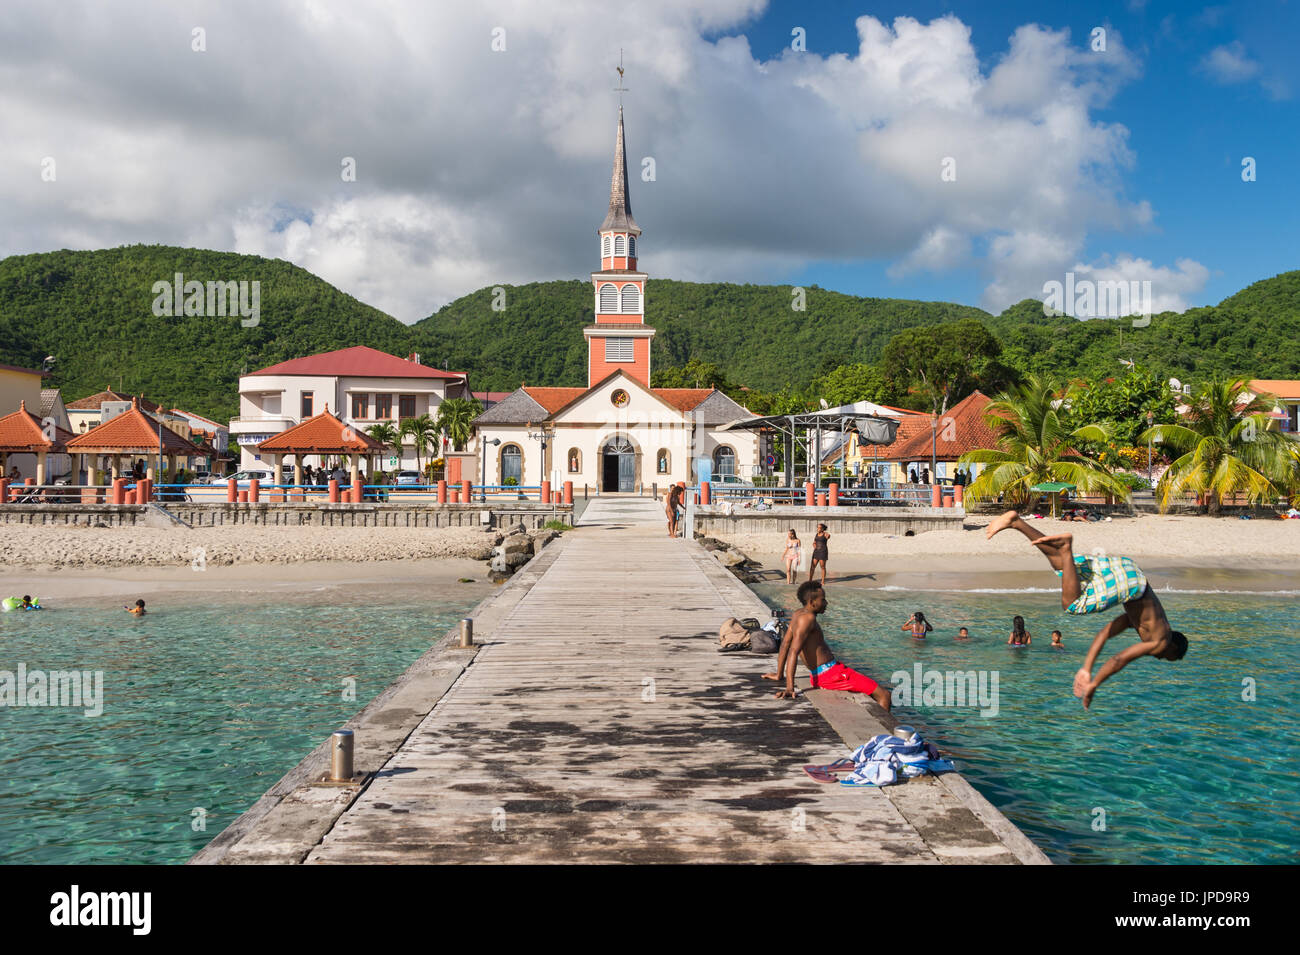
{"type": "Point", "coordinates": [840, 677]}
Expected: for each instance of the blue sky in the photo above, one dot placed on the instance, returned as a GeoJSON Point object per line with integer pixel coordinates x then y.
{"type": "Point", "coordinates": [1188, 128]}
{"type": "Point", "coordinates": [479, 166]}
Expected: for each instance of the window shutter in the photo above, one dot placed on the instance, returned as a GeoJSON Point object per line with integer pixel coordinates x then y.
{"type": "Point", "coordinates": [618, 349]}
{"type": "Point", "coordinates": [608, 299]}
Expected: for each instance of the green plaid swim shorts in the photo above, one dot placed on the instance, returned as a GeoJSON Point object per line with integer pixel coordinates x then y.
{"type": "Point", "coordinates": [1105, 582]}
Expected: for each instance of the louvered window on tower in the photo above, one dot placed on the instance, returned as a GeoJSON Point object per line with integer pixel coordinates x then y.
{"type": "Point", "coordinates": [619, 246]}
{"type": "Point", "coordinates": [608, 299]}
{"type": "Point", "coordinates": [631, 246]}
{"type": "Point", "coordinates": [631, 300]}
{"type": "Point", "coordinates": [618, 349]}
{"type": "Point", "coordinates": [604, 247]}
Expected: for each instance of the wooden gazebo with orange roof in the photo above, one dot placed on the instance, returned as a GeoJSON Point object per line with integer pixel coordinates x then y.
{"type": "Point", "coordinates": [321, 434]}
{"type": "Point", "coordinates": [23, 433]}
{"type": "Point", "coordinates": [132, 433]}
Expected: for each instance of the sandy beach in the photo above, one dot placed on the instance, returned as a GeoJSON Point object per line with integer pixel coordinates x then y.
{"type": "Point", "coordinates": [1180, 551]}
{"type": "Point", "coordinates": [71, 562]}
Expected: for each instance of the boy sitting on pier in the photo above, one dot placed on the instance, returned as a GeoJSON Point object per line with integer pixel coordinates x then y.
{"type": "Point", "coordinates": [1091, 584]}
{"type": "Point", "coordinates": [805, 636]}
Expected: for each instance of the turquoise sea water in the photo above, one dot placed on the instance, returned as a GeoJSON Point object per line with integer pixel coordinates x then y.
{"type": "Point", "coordinates": [1170, 758]}
{"type": "Point", "coordinates": [205, 707]}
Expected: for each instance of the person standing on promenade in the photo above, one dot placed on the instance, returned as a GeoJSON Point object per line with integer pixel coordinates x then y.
{"type": "Point", "coordinates": [804, 636]}
{"type": "Point", "coordinates": [1093, 584]}
{"type": "Point", "coordinates": [819, 552]}
{"type": "Point", "coordinates": [670, 508]}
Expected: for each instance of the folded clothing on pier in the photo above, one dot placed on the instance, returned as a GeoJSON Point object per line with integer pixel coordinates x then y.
{"type": "Point", "coordinates": [881, 760]}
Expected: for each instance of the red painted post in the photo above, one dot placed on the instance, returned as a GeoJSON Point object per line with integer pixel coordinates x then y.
{"type": "Point", "coordinates": [568, 492]}
{"type": "Point", "coordinates": [455, 495]}
{"type": "Point", "coordinates": [146, 491]}
{"type": "Point", "coordinates": [467, 491]}
{"type": "Point", "coordinates": [821, 498]}
{"type": "Point", "coordinates": [254, 490]}
{"type": "Point", "coordinates": [358, 491]}
{"type": "Point", "coordinates": [936, 495]}
{"type": "Point", "coordinates": [442, 492]}
{"type": "Point", "coordinates": [833, 493]}
{"type": "Point", "coordinates": [334, 491]}
{"type": "Point", "coordinates": [959, 494]}
{"type": "Point", "coordinates": [232, 491]}
{"type": "Point", "coordinates": [119, 491]}
{"type": "Point", "coordinates": [545, 496]}
{"type": "Point", "coordinates": [704, 492]}
{"type": "Point", "coordinates": [4, 491]}
{"type": "Point", "coordinates": [809, 493]}
{"type": "Point", "coordinates": [243, 497]}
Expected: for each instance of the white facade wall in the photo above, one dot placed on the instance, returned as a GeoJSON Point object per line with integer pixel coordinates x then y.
{"type": "Point", "coordinates": [647, 423]}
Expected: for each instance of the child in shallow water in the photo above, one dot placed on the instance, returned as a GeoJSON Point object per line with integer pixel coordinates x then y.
{"type": "Point", "coordinates": [1056, 639]}
{"type": "Point", "coordinates": [137, 610]}
{"type": "Point", "coordinates": [1019, 635]}
{"type": "Point", "coordinates": [791, 556]}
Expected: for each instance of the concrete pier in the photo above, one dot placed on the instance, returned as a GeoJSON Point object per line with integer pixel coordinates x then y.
{"type": "Point", "coordinates": [595, 721]}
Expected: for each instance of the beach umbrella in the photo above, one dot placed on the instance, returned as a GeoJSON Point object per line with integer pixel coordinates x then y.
{"type": "Point", "coordinates": [1053, 488]}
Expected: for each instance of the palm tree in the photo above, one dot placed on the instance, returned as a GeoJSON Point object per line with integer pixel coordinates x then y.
{"type": "Point", "coordinates": [1035, 447]}
{"type": "Point", "coordinates": [455, 418]}
{"type": "Point", "coordinates": [422, 431]}
{"type": "Point", "coordinates": [1225, 445]}
{"type": "Point", "coordinates": [388, 436]}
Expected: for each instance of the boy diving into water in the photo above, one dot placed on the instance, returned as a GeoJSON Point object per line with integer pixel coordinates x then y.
{"type": "Point", "coordinates": [1091, 584]}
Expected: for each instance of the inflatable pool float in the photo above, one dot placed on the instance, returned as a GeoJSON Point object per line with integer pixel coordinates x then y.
{"type": "Point", "coordinates": [16, 603]}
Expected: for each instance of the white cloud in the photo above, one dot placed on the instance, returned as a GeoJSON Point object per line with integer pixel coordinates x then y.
{"type": "Point", "coordinates": [477, 167]}
{"type": "Point", "coordinates": [1230, 63]}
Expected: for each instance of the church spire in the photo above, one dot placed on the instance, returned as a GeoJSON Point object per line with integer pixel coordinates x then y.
{"type": "Point", "coordinates": [619, 218]}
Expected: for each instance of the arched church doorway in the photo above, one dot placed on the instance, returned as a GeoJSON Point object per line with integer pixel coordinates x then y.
{"type": "Point", "coordinates": [618, 465]}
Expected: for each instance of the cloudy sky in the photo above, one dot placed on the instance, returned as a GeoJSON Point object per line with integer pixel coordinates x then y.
{"type": "Point", "coordinates": [966, 151]}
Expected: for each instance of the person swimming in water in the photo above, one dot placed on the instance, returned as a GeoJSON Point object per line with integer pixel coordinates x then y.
{"type": "Point", "coordinates": [1056, 640]}
{"type": "Point", "coordinates": [138, 609]}
{"type": "Point", "coordinates": [918, 625]}
{"type": "Point", "coordinates": [1020, 637]}
{"type": "Point", "coordinates": [1093, 584]}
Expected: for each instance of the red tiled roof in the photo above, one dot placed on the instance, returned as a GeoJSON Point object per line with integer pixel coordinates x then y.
{"type": "Point", "coordinates": [962, 428]}
{"type": "Point", "coordinates": [320, 434]}
{"type": "Point", "coordinates": [132, 430]}
{"type": "Point", "coordinates": [683, 399]}
{"type": "Point", "coordinates": [22, 431]}
{"type": "Point", "coordinates": [553, 399]}
{"type": "Point", "coordinates": [1282, 388]}
{"type": "Point", "coordinates": [359, 361]}
{"type": "Point", "coordinates": [94, 401]}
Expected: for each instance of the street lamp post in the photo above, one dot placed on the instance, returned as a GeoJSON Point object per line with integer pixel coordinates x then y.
{"type": "Point", "coordinates": [1151, 420]}
{"type": "Point", "coordinates": [482, 494]}
{"type": "Point", "coordinates": [934, 431]}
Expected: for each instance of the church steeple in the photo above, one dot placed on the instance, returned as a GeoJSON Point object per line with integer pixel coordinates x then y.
{"type": "Point", "coordinates": [620, 339]}
{"type": "Point", "coordinates": [619, 218]}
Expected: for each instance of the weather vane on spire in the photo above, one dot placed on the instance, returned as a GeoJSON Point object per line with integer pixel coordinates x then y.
{"type": "Point", "coordinates": [620, 89]}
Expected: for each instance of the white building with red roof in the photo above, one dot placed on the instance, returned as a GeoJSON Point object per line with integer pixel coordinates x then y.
{"type": "Point", "coordinates": [362, 386]}
{"type": "Point", "coordinates": [617, 434]}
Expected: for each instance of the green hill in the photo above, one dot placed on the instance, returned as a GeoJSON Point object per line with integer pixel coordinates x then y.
{"type": "Point", "coordinates": [93, 312]}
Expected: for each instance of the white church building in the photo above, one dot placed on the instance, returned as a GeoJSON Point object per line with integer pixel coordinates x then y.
{"type": "Point", "coordinates": [616, 435]}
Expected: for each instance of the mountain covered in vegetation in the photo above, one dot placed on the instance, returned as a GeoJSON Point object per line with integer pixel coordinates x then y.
{"type": "Point", "coordinates": [95, 313]}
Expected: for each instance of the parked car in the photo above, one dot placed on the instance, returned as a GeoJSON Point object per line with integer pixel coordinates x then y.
{"type": "Point", "coordinates": [732, 480]}
{"type": "Point", "coordinates": [408, 478]}
{"type": "Point", "coordinates": [242, 478]}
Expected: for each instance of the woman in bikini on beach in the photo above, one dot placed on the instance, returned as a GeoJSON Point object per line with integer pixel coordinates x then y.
{"type": "Point", "coordinates": [792, 555]}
